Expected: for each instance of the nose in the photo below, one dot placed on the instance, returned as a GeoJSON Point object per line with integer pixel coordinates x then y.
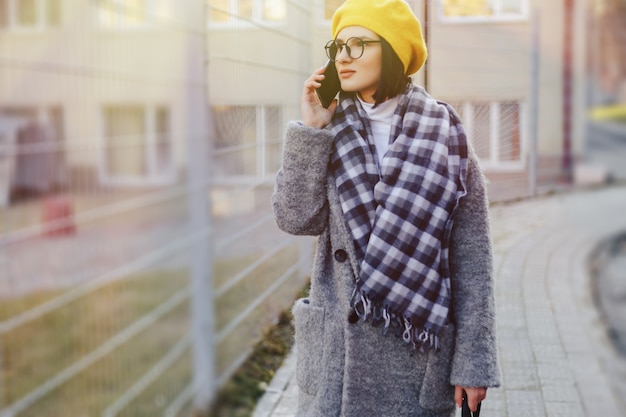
{"type": "Point", "coordinates": [343, 55]}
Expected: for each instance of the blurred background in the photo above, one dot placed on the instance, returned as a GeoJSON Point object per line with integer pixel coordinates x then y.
{"type": "Point", "coordinates": [139, 139]}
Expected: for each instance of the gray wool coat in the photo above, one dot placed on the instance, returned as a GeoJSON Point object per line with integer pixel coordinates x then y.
{"type": "Point", "coordinates": [352, 370]}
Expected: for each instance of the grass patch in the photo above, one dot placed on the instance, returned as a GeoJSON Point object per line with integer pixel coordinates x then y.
{"type": "Point", "coordinates": [97, 387]}
{"type": "Point", "coordinates": [239, 396]}
{"type": "Point", "coordinates": [233, 301]}
{"type": "Point", "coordinates": [38, 350]}
{"type": "Point", "coordinates": [154, 400]}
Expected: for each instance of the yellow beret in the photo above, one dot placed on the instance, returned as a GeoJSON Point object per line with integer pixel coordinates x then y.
{"type": "Point", "coordinates": [392, 20]}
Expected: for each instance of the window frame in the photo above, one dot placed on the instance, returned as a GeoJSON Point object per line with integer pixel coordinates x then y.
{"type": "Point", "coordinates": [263, 145]}
{"type": "Point", "coordinates": [523, 16]}
{"type": "Point", "coordinates": [493, 163]}
{"type": "Point", "coordinates": [154, 175]}
{"type": "Point", "coordinates": [150, 21]}
{"type": "Point", "coordinates": [42, 23]}
{"type": "Point", "coordinates": [235, 22]}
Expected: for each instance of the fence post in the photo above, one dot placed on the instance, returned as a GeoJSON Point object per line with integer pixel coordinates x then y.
{"type": "Point", "coordinates": [534, 104]}
{"type": "Point", "coordinates": [198, 188]}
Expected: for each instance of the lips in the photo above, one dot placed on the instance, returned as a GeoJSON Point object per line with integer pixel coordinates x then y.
{"type": "Point", "coordinates": [346, 73]}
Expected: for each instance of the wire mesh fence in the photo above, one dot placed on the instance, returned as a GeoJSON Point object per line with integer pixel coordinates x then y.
{"type": "Point", "coordinates": [494, 129]}
{"type": "Point", "coordinates": [97, 234]}
{"type": "Point", "coordinates": [138, 146]}
{"type": "Point", "coordinates": [94, 296]}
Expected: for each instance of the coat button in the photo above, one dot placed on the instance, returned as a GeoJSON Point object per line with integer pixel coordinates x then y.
{"type": "Point", "coordinates": [353, 317]}
{"type": "Point", "coordinates": [340, 255]}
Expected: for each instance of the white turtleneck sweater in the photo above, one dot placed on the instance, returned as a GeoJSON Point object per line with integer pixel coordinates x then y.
{"type": "Point", "coordinates": [380, 122]}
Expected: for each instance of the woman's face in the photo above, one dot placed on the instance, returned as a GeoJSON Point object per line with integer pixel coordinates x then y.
{"type": "Point", "coordinates": [360, 75]}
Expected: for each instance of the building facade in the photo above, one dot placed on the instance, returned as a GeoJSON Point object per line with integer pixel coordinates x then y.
{"type": "Point", "coordinates": [500, 61]}
{"type": "Point", "coordinates": [111, 78]}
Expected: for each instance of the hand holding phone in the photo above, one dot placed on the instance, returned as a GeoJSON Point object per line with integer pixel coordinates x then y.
{"type": "Point", "coordinates": [330, 85]}
{"type": "Point", "coordinates": [317, 102]}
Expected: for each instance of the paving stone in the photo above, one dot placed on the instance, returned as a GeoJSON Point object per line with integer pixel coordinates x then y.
{"type": "Point", "coordinates": [601, 408]}
{"type": "Point", "coordinates": [525, 404]}
{"type": "Point", "coordinates": [519, 377]}
{"type": "Point", "coordinates": [548, 353]}
{"type": "Point", "coordinates": [564, 409]}
{"type": "Point", "coordinates": [563, 391]}
{"type": "Point", "coordinates": [495, 403]}
{"type": "Point", "coordinates": [584, 367]}
{"type": "Point", "coordinates": [554, 371]}
{"type": "Point", "coordinates": [519, 351]}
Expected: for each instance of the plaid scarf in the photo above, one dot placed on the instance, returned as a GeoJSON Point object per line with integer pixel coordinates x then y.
{"type": "Point", "coordinates": [400, 212]}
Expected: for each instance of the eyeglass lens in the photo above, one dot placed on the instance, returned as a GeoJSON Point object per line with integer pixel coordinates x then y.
{"type": "Point", "coordinates": [354, 48]}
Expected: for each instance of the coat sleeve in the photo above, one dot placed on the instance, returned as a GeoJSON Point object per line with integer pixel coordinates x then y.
{"type": "Point", "coordinates": [475, 362]}
{"type": "Point", "coordinates": [300, 201]}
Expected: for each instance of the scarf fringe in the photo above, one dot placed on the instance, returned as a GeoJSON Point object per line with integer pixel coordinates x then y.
{"type": "Point", "coordinates": [419, 338]}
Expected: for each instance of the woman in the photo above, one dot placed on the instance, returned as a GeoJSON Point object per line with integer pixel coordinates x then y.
{"type": "Point", "coordinates": [400, 317]}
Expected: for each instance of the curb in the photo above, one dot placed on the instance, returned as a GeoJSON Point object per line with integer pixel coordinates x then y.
{"type": "Point", "coordinates": [274, 392]}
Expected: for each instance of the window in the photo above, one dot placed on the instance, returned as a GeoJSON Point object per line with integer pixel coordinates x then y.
{"type": "Point", "coordinates": [495, 130]}
{"type": "Point", "coordinates": [130, 14]}
{"type": "Point", "coordinates": [240, 11]}
{"type": "Point", "coordinates": [137, 145]}
{"type": "Point", "coordinates": [248, 142]}
{"type": "Point", "coordinates": [481, 10]}
{"type": "Point", "coordinates": [29, 14]}
{"type": "Point", "coordinates": [509, 132]}
{"type": "Point", "coordinates": [39, 164]}
{"type": "Point", "coordinates": [480, 131]}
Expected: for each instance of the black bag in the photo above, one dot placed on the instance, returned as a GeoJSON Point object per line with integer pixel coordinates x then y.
{"type": "Point", "coordinates": [465, 410]}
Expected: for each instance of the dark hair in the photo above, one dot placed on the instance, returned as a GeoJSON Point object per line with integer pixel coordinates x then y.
{"type": "Point", "coordinates": [393, 80]}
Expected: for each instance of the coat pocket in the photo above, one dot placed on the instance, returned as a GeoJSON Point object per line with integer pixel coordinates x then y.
{"type": "Point", "coordinates": [437, 393]}
{"type": "Point", "coordinates": [309, 324]}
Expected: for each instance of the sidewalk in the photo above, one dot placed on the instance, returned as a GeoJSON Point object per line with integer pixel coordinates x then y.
{"type": "Point", "coordinates": [555, 356]}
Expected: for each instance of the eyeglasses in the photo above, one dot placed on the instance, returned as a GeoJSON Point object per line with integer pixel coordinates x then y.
{"type": "Point", "coordinates": [354, 47]}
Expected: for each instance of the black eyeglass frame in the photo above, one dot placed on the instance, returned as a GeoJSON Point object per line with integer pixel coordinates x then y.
{"type": "Point", "coordinates": [340, 46]}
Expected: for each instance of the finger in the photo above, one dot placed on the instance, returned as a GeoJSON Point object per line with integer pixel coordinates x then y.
{"type": "Point", "coordinates": [320, 70]}
{"type": "Point", "coordinates": [475, 396]}
{"type": "Point", "coordinates": [458, 396]}
{"type": "Point", "coordinates": [315, 78]}
{"type": "Point", "coordinates": [311, 81]}
{"type": "Point", "coordinates": [472, 402]}
{"type": "Point", "coordinates": [317, 74]}
{"type": "Point", "coordinates": [310, 86]}
{"type": "Point", "coordinates": [480, 393]}
{"type": "Point", "coordinates": [333, 106]}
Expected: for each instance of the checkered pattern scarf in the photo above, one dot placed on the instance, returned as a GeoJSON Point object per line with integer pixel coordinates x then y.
{"type": "Point", "coordinates": [400, 213]}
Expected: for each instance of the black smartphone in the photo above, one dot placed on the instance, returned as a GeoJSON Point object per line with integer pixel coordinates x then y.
{"type": "Point", "coordinates": [330, 85]}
